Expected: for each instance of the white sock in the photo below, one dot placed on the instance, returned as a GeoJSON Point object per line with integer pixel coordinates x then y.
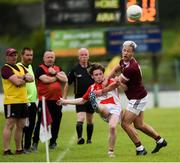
{"type": "Point", "coordinates": [160, 141]}
{"type": "Point", "coordinates": [140, 148]}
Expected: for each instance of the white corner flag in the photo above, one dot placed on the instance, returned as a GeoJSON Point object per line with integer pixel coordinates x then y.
{"type": "Point", "coordinates": [45, 128]}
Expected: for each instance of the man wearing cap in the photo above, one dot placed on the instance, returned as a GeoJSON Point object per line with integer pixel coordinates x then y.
{"type": "Point", "coordinates": [14, 78]}
{"type": "Point", "coordinates": [136, 93]}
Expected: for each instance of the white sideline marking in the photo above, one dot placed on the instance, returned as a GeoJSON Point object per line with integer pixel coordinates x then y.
{"type": "Point", "coordinates": [63, 153]}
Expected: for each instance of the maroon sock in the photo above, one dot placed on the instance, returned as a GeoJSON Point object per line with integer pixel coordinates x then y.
{"type": "Point", "coordinates": [138, 144]}
{"type": "Point", "coordinates": [157, 138]}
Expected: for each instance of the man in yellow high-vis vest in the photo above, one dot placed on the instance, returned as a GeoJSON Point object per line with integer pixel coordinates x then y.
{"type": "Point", "coordinates": [14, 80]}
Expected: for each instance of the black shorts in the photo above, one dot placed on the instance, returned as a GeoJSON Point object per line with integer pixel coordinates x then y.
{"type": "Point", "coordinates": [16, 110]}
{"type": "Point", "coordinates": [85, 108]}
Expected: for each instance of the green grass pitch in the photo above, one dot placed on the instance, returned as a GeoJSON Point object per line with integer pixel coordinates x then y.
{"type": "Point", "coordinates": [165, 121]}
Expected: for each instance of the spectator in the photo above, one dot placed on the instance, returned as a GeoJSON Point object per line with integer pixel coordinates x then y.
{"type": "Point", "coordinates": [14, 78]}
{"type": "Point", "coordinates": [49, 78]}
{"type": "Point", "coordinates": [26, 60]}
{"type": "Point", "coordinates": [82, 80]}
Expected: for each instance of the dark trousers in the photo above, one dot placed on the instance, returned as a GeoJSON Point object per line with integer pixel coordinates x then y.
{"type": "Point", "coordinates": [27, 131]}
{"type": "Point", "coordinates": [56, 115]}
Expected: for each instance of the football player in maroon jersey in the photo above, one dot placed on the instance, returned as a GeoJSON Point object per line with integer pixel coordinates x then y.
{"type": "Point", "coordinates": [136, 93]}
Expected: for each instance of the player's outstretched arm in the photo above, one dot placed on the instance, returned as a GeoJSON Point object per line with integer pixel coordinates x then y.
{"type": "Point", "coordinates": [121, 82]}
{"type": "Point", "coordinates": [111, 74]}
{"type": "Point", "coordinates": [77, 101]}
{"type": "Point", "coordinates": [115, 70]}
{"type": "Point", "coordinates": [123, 86]}
{"type": "Point", "coordinates": [110, 87]}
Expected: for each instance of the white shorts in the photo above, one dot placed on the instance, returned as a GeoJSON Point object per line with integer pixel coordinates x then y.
{"type": "Point", "coordinates": [114, 109]}
{"type": "Point", "coordinates": [137, 106]}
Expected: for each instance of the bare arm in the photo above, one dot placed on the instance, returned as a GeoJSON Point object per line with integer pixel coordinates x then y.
{"type": "Point", "coordinates": [66, 90]}
{"type": "Point", "coordinates": [112, 74]}
{"type": "Point", "coordinates": [110, 87]}
{"type": "Point", "coordinates": [119, 82]}
{"type": "Point", "coordinates": [106, 89]}
{"type": "Point", "coordinates": [61, 76]}
{"type": "Point", "coordinates": [77, 101]}
{"type": "Point", "coordinates": [28, 77]}
{"type": "Point", "coordinates": [47, 79]}
{"type": "Point", "coordinates": [16, 80]}
{"type": "Point", "coordinates": [114, 71]}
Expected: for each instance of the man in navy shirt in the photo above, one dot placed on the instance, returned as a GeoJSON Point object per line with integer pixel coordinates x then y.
{"type": "Point", "coordinates": [82, 80]}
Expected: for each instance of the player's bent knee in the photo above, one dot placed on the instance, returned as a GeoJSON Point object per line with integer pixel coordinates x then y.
{"type": "Point", "coordinates": [138, 127]}
{"type": "Point", "coordinates": [124, 125]}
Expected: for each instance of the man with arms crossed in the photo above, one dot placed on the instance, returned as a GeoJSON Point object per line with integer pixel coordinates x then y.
{"type": "Point", "coordinates": [14, 80]}
{"type": "Point", "coordinates": [136, 93]}
{"type": "Point", "coordinates": [49, 84]}
{"type": "Point", "coordinates": [26, 60]}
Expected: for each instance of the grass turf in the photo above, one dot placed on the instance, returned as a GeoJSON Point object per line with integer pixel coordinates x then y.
{"type": "Point", "coordinates": [165, 121]}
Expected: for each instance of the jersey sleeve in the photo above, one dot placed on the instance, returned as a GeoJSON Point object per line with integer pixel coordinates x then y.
{"type": "Point", "coordinates": [6, 72]}
{"type": "Point", "coordinates": [71, 77]}
{"type": "Point", "coordinates": [86, 95]}
{"type": "Point", "coordinates": [60, 69]}
{"type": "Point", "coordinates": [39, 72]}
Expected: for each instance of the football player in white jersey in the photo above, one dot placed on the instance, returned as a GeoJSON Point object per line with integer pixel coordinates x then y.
{"type": "Point", "coordinates": [108, 105]}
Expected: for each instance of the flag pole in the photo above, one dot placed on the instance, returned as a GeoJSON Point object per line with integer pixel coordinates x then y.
{"type": "Point", "coordinates": [45, 126]}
